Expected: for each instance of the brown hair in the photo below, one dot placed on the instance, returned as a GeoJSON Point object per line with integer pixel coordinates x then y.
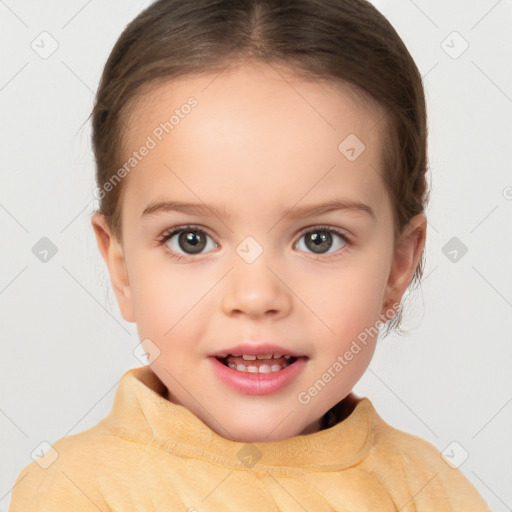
{"type": "Point", "coordinates": [345, 41]}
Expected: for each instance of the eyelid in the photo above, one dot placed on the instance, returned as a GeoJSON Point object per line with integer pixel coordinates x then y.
{"type": "Point", "coordinates": [338, 231]}
{"type": "Point", "coordinates": [195, 227]}
{"type": "Point", "coordinates": [322, 257]}
{"type": "Point", "coordinates": [171, 232]}
{"type": "Point", "coordinates": [168, 233]}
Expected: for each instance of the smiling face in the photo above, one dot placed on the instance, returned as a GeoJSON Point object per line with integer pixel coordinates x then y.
{"type": "Point", "coordinates": [241, 271]}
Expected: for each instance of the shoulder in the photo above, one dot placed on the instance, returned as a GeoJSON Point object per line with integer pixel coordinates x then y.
{"type": "Point", "coordinates": [418, 472]}
{"type": "Point", "coordinates": [67, 473]}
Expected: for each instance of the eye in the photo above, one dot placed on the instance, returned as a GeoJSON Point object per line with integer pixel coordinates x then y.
{"type": "Point", "coordinates": [321, 239]}
{"type": "Point", "coordinates": [189, 239]}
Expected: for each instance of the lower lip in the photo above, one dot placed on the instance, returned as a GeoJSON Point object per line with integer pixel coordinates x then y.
{"type": "Point", "coordinates": [258, 383]}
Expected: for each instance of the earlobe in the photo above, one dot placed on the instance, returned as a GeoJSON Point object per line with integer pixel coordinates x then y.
{"type": "Point", "coordinates": [406, 257]}
{"type": "Point", "coordinates": [113, 255]}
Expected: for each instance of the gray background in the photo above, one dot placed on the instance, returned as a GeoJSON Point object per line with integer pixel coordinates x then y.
{"type": "Point", "coordinates": [64, 343]}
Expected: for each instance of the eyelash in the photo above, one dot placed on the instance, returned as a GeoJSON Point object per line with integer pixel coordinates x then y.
{"type": "Point", "coordinates": [167, 235]}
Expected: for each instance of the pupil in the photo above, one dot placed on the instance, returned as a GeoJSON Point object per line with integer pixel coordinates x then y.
{"type": "Point", "coordinates": [321, 240]}
{"type": "Point", "coordinates": [195, 240]}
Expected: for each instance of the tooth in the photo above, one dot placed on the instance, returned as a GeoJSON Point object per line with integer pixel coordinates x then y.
{"type": "Point", "coordinates": [248, 358]}
{"type": "Point", "coordinates": [222, 356]}
{"type": "Point", "coordinates": [236, 355]}
{"type": "Point", "coordinates": [287, 357]}
{"type": "Point", "coordinates": [264, 368]}
{"type": "Point", "coordinates": [277, 356]}
{"type": "Point", "coordinates": [268, 356]}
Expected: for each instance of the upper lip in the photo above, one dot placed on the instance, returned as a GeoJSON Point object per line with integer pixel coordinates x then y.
{"type": "Point", "coordinates": [260, 349]}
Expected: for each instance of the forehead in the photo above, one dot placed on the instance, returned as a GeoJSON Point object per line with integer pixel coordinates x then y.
{"type": "Point", "coordinates": [255, 91]}
{"type": "Point", "coordinates": [254, 129]}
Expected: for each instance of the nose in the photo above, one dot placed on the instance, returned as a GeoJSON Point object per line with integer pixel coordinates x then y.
{"type": "Point", "coordinates": [255, 290]}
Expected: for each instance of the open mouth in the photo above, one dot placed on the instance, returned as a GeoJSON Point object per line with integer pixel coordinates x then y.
{"type": "Point", "coordinates": [269, 363]}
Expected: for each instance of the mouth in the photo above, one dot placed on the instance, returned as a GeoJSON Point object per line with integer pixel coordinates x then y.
{"type": "Point", "coordinates": [265, 363]}
{"type": "Point", "coordinates": [257, 369]}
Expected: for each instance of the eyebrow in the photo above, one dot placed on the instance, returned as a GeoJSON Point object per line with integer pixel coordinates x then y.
{"type": "Point", "coordinates": [204, 210]}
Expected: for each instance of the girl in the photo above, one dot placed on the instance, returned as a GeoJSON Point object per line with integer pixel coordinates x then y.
{"type": "Point", "coordinates": [261, 176]}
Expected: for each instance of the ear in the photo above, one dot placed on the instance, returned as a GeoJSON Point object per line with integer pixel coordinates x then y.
{"type": "Point", "coordinates": [407, 253]}
{"type": "Point", "coordinates": [112, 253]}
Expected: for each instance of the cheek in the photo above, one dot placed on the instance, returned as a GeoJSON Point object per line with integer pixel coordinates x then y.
{"type": "Point", "coordinates": [348, 299]}
{"type": "Point", "coordinates": [169, 301]}
{"type": "Point", "coordinates": [161, 294]}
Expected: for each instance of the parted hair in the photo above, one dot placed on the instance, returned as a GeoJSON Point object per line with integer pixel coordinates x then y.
{"type": "Point", "coordinates": [344, 41]}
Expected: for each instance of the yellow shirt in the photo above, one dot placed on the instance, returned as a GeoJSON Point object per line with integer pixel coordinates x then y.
{"type": "Point", "coordinates": [150, 454]}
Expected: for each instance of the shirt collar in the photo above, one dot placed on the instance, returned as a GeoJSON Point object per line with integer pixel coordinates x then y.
{"type": "Point", "coordinates": [141, 413]}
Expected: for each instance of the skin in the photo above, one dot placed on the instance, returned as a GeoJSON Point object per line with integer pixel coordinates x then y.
{"type": "Point", "coordinates": [260, 140]}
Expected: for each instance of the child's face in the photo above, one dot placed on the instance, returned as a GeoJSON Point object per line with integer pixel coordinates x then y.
{"type": "Point", "coordinates": [257, 144]}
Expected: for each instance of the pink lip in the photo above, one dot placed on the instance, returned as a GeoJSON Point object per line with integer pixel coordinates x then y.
{"type": "Point", "coordinates": [258, 383]}
{"type": "Point", "coordinates": [256, 350]}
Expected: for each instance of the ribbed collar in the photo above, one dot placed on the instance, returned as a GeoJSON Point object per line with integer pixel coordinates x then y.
{"type": "Point", "coordinates": [141, 413]}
